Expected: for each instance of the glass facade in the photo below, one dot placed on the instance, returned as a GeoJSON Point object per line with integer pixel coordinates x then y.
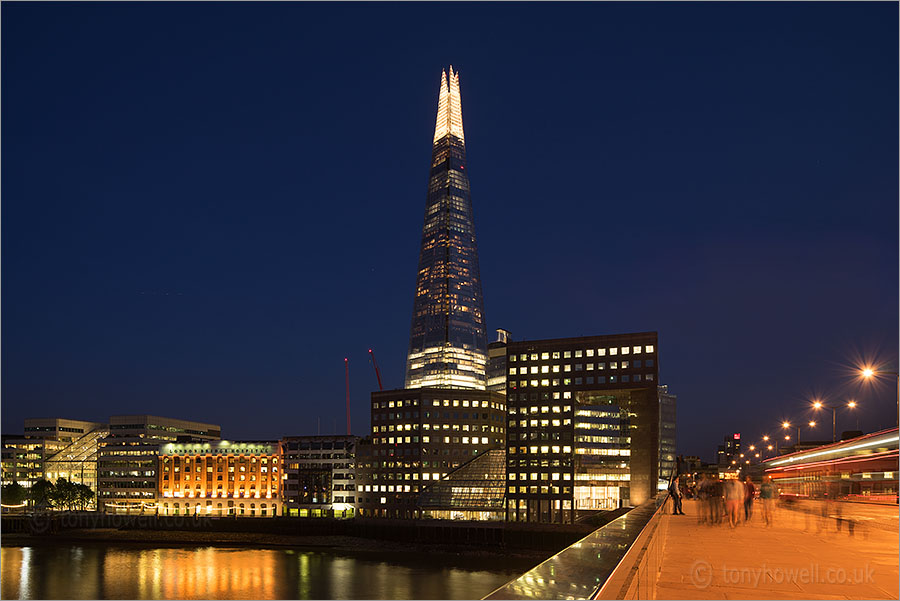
{"type": "Point", "coordinates": [448, 340]}
{"type": "Point", "coordinates": [473, 491]}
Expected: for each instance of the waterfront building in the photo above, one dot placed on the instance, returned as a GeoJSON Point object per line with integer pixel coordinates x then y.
{"type": "Point", "coordinates": [667, 438]}
{"type": "Point", "coordinates": [53, 448]}
{"type": "Point", "coordinates": [418, 437]}
{"type": "Point", "coordinates": [448, 341]}
{"type": "Point", "coordinates": [473, 491]}
{"type": "Point", "coordinates": [207, 477]}
{"type": "Point", "coordinates": [319, 476]}
{"type": "Point", "coordinates": [496, 370]}
{"type": "Point", "coordinates": [129, 457]}
{"type": "Point", "coordinates": [583, 425]}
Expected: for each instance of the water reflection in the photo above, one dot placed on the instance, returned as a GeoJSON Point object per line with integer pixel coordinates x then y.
{"type": "Point", "coordinates": [102, 572]}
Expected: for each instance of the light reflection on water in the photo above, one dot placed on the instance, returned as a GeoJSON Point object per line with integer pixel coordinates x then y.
{"type": "Point", "coordinates": [103, 572]}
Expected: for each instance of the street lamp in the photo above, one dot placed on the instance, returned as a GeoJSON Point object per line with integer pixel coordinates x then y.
{"type": "Point", "coordinates": [850, 405]}
{"type": "Point", "coordinates": [869, 373]}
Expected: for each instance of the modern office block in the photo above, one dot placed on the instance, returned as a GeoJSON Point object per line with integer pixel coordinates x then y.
{"type": "Point", "coordinates": [583, 425]}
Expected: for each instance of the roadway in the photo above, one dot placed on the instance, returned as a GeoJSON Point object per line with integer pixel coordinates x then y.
{"type": "Point", "coordinates": [801, 556]}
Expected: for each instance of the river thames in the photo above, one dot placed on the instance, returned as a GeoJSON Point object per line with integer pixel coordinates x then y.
{"type": "Point", "coordinates": [94, 571]}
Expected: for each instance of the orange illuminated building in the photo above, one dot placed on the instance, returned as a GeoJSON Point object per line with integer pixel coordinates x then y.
{"type": "Point", "coordinates": [220, 478]}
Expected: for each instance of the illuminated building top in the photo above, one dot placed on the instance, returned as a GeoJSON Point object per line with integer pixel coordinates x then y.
{"type": "Point", "coordinates": [448, 340]}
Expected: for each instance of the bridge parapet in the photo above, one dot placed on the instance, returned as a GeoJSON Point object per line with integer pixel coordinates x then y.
{"type": "Point", "coordinates": [619, 560]}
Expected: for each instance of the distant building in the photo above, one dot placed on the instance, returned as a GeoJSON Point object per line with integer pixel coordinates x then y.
{"type": "Point", "coordinates": [205, 477]}
{"type": "Point", "coordinates": [667, 437]}
{"type": "Point", "coordinates": [728, 455]}
{"type": "Point", "coordinates": [129, 456]}
{"type": "Point", "coordinates": [53, 448]}
{"type": "Point", "coordinates": [319, 476]}
{"type": "Point", "coordinates": [583, 425]}
{"type": "Point", "coordinates": [448, 341]}
{"type": "Point", "coordinates": [418, 437]}
{"type": "Point", "coordinates": [496, 369]}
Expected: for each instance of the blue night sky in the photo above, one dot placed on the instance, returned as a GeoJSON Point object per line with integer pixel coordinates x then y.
{"type": "Point", "coordinates": [206, 207]}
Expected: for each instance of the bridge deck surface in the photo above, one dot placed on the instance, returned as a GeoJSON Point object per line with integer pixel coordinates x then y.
{"type": "Point", "coordinates": [801, 556]}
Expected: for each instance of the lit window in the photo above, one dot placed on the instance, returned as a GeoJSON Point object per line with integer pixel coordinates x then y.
{"type": "Point", "coordinates": [589, 352]}
{"type": "Point", "coordinates": [614, 365]}
{"type": "Point", "coordinates": [556, 355]}
{"type": "Point", "coordinates": [534, 369]}
{"type": "Point", "coordinates": [545, 382]}
{"type": "Point", "coordinates": [523, 370]}
{"type": "Point", "coordinates": [556, 369]}
{"type": "Point", "coordinates": [636, 350]}
{"type": "Point", "coordinates": [545, 356]}
{"type": "Point", "coordinates": [613, 351]}
{"type": "Point", "coordinates": [567, 395]}
{"type": "Point", "coordinates": [545, 369]}
{"type": "Point", "coordinates": [567, 354]}
{"type": "Point", "coordinates": [512, 358]}
{"type": "Point", "coordinates": [624, 364]}
{"type": "Point", "coordinates": [648, 348]}
{"type": "Point", "coordinates": [523, 357]}
{"type": "Point", "coordinates": [590, 367]}
{"type": "Point", "coordinates": [545, 449]}
{"type": "Point", "coordinates": [601, 352]}
{"type": "Point", "coordinates": [567, 367]}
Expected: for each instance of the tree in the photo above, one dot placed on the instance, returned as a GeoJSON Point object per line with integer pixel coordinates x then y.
{"type": "Point", "coordinates": [65, 494]}
{"type": "Point", "coordinates": [84, 496]}
{"type": "Point", "coordinates": [13, 494]}
{"type": "Point", "coordinates": [42, 493]}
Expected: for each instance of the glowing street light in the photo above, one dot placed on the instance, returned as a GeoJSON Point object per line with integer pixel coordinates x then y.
{"type": "Point", "coordinates": [870, 373]}
{"type": "Point", "coordinates": [820, 405]}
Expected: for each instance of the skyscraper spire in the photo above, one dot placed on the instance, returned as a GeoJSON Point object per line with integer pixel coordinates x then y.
{"type": "Point", "coordinates": [448, 341]}
{"type": "Point", "coordinates": [449, 115]}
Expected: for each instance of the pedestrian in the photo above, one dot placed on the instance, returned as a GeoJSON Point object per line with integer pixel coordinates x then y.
{"type": "Point", "coordinates": [676, 494]}
{"type": "Point", "coordinates": [749, 492]}
{"type": "Point", "coordinates": [767, 494]}
{"type": "Point", "coordinates": [702, 494]}
{"type": "Point", "coordinates": [734, 495]}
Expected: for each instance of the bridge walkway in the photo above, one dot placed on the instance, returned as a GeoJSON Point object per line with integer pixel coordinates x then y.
{"type": "Point", "coordinates": [800, 556]}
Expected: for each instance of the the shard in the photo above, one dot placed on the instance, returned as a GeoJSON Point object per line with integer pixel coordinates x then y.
{"type": "Point", "coordinates": [448, 340]}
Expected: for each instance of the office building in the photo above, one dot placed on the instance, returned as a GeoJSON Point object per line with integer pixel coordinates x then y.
{"type": "Point", "coordinates": [53, 448]}
{"type": "Point", "coordinates": [496, 369]}
{"type": "Point", "coordinates": [129, 457]}
{"type": "Point", "coordinates": [207, 477]}
{"type": "Point", "coordinates": [418, 437]}
{"type": "Point", "coordinates": [319, 476]}
{"type": "Point", "coordinates": [583, 425]}
{"type": "Point", "coordinates": [667, 439]}
{"type": "Point", "coordinates": [728, 455]}
{"type": "Point", "coordinates": [448, 341]}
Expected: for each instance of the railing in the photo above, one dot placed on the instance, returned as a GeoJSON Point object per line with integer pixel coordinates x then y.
{"type": "Point", "coordinates": [620, 558]}
{"type": "Point", "coordinates": [635, 576]}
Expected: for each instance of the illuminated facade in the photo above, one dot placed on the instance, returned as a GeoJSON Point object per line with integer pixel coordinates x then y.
{"type": "Point", "coordinates": [319, 476]}
{"type": "Point", "coordinates": [129, 456]}
{"type": "Point", "coordinates": [583, 425]}
{"type": "Point", "coordinates": [53, 448]}
{"type": "Point", "coordinates": [496, 370]}
{"type": "Point", "coordinates": [220, 478]}
{"type": "Point", "coordinates": [418, 437]}
{"type": "Point", "coordinates": [448, 341]}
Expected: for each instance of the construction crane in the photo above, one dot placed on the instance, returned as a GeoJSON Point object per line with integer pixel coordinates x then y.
{"type": "Point", "coordinates": [347, 383]}
{"type": "Point", "coordinates": [377, 373]}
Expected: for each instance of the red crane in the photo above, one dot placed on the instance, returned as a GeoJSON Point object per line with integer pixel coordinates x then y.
{"type": "Point", "coordinates": [347, 382]}
{"type": "Point", "coordinates": [377, 373]}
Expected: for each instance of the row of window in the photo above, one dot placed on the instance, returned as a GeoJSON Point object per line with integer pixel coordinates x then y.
{"type": "Point", "coordinates": [568, 367]}
{"type": "Point", "coordinates": [514, 384]}
{"type": "Point", "coordinates": [600, 352]}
